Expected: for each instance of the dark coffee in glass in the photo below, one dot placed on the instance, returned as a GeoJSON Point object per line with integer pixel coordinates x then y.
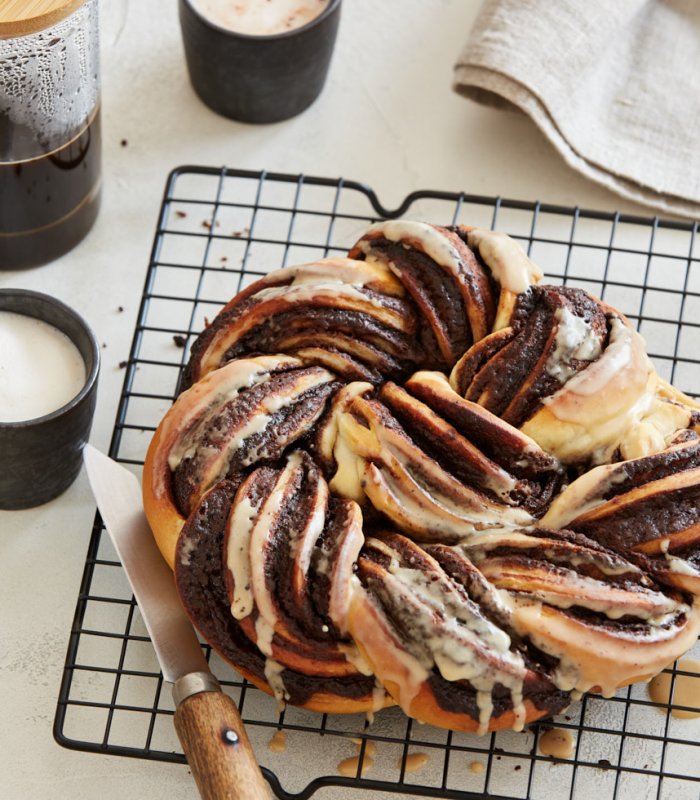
{"type": "Point", "coordinates": [50, 144]}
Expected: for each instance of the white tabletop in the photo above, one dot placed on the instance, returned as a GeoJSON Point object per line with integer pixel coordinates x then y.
{"type": "Point", "coordinates": [387, 117]}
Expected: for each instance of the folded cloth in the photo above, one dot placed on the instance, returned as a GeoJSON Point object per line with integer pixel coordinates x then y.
{"type": "Point", "coordinates": [615, 86]}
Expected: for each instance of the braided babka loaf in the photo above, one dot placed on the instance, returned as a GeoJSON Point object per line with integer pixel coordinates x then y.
{"type": "Point", "coordinates": [418, 475]}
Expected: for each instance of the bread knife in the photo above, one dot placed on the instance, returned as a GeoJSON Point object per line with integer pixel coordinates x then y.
{"type": "Point", "coordinates": [207, 721]}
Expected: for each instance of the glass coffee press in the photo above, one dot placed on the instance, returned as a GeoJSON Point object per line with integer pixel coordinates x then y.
{"type": "Point", "coordinates": [50, 148]}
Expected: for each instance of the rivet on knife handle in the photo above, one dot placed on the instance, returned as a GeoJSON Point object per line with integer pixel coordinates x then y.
{"type": "Point", "coordinates": [216, 746]}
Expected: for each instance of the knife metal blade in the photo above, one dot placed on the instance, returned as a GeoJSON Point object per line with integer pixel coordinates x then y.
{"type": "Point", "coordinates": [207, 721]}
{"type": "Point", "coordinates": [118, 496]}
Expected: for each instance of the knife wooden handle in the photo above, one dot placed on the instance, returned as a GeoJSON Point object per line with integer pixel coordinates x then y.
{"type": "Point", "coordinates": [217, 748]}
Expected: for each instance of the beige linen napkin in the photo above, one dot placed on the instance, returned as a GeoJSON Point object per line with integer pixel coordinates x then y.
{"type": "Point", "coordinates": [614, 85]}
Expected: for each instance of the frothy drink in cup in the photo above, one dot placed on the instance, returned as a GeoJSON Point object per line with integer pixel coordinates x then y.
{"type": "Point", "coordinates": [258, 61]}
{"type": "Point", "coordinates": [260, 17]}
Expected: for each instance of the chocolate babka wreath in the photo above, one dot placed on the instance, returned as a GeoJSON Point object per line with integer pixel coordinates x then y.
{"type": "Point", "coordinates": [419, 476]}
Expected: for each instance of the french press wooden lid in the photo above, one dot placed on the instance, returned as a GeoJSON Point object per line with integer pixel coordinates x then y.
{"type": "Point", "coordinates": [21, 17]}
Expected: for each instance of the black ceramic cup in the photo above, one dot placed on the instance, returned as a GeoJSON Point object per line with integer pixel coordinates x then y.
{"type": "Point", "coordinates": [258, 78]}
{"type": "Point", "coordinates": [40, 458]}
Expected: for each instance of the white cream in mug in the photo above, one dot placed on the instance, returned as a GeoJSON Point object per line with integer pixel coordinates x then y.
{"type": "Point", "coordinates": [260, 17]}
{"type": "Point", "coordinates": [40, 368]}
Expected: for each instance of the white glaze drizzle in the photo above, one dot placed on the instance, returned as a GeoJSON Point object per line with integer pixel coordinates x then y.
{"type": "Point", "coordinates": [240, 525]}
{"type": "Point", "coordinates": [583, 495]}
{"type": "Point", "coordinates": [303, 542]}
{"type": "Point", "coordinates": [214, 461]}
{"type": "Point", "coordinates": [492, 476]}
{"type": "Point", "coordinates": [341, 573]}
{"type": "Point", "coordinates": [484, 702]}
{"type": "Point", "coordinates": [378, 700]}
{"type": "Point", "coordinates": [329, 290]}
{"type": "Point", "coordinates": [346, 480]}
{"type": "Point", "coordinates": [590, 429]}
{"type": "Point", "coordinates": [481, 543]}
{"type": "Point", "coordinates": [339, 270]}
{"type": "Point", "coordinates": [679, 565]}
{"type": "Point", "coordinates": [575, 339]}
{"type": "Point", "coordinates": [458, 640]}
{"type": "Point", "coordinates": [303, 284]}
{"type": "Point", "coordinates": [657, 427]}
{"type": "Point", "coordinates": [264, 633]}
{"type": "Point", "coordinates": [355, 657]}
{"type": "Point", "coordinates": [437, 596]}
{"type": "Point", "coordinates": [323, 565]}
{"type": "Point", "coordinates": [585, 592]}
{"type": "Point", "coordinates": [612, 567]}
{"type": "Point", "coordinates": [200, 403]}
{"type": "Point", "coordinates": [526, 445]}
{"type": "Point", "coordinates": [269, 511]}
{"type": "Point", "coordinates": [431, 241]}
{"type": "Point", "coordinates": [429, 500]}
{"type": "Point", "coordinates": [187, 547]}
{"type": "Point", "coordinates": [561, 586]}
{"type": "Point", "coordinates": [381, 643]}
{"type": "Point", "coordinates": [508, 262]}
{"type": "Point", "coordinates": [570, 641]}
{"type": "Point", "coordinates": [420, 505]}
{"type": "Point", "coordinates": [625, 348]}
{"type": "Point", "coordinates": [273, 676]}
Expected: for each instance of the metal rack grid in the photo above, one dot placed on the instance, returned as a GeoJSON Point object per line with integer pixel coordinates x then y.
{"type": "Point", "coordinates": [218, 230]}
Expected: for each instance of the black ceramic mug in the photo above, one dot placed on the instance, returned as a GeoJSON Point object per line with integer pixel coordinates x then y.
{"type": "Point", "coordinates": [258, 78]}
{"type": "Point", "coordinates": [41, 457]}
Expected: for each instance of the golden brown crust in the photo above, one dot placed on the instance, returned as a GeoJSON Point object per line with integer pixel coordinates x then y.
{"type": "Point", "coordinates": [165, 520]}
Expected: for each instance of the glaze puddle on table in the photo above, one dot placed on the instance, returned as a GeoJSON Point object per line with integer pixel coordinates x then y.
{"type": "Point", "coordinates": [686, 690]}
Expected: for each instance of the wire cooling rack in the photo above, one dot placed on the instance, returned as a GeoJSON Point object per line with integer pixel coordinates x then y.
{"type": "Point", "coordinates": [218, 230]}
